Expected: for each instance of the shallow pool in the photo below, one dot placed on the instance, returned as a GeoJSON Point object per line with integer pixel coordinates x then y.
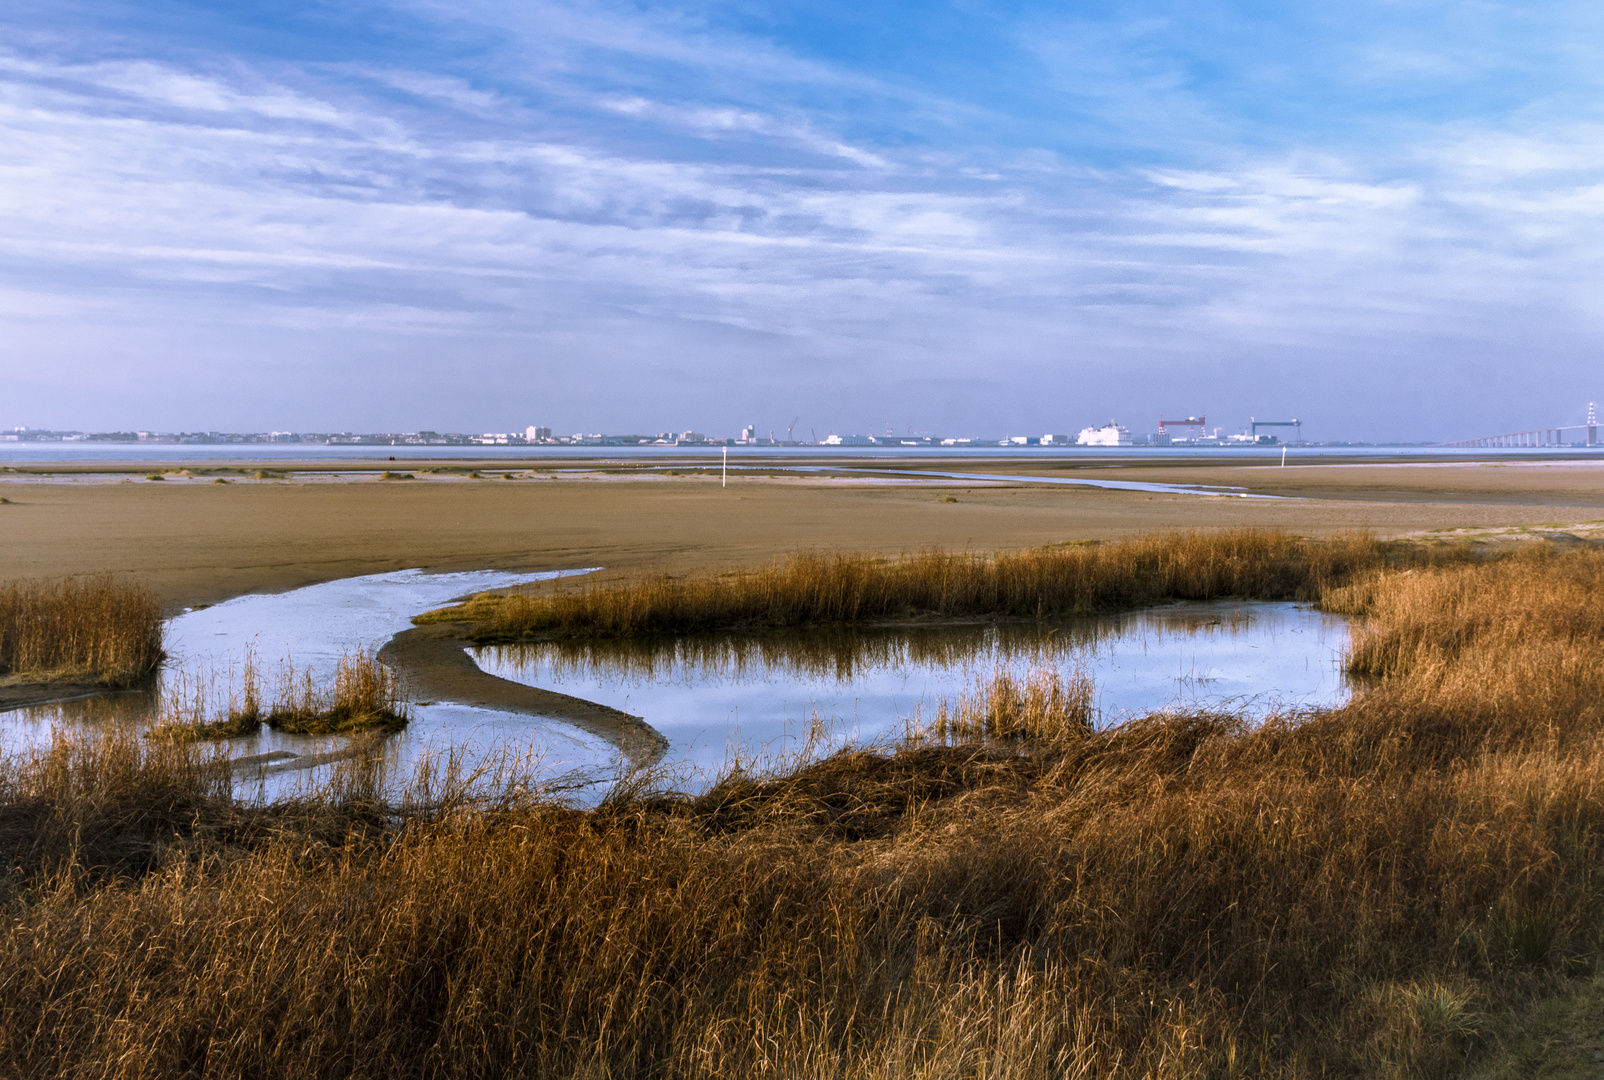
{"type": "Point", "coordinates": [715, 695]}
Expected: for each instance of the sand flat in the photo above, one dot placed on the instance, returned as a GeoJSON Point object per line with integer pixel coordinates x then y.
{"type": "Point", "coordinates": [197, 543]}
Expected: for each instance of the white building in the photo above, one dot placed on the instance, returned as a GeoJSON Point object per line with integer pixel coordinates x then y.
{"type": "Point", "coordinates": [537, 434]}
{"type": "Point", "coordinates": [1110, 434]}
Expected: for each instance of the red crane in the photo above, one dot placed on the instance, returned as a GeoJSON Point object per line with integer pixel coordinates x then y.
{"type": "Point", "coordinates": [1199, 422]}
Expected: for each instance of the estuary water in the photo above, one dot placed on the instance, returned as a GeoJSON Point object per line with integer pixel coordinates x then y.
{"type": "Point", "coordinates": [716, 696]}
{"type": "Point", "coordinates": [712, 697]}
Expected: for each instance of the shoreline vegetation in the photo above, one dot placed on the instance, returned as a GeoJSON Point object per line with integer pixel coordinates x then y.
{"type": "Point", "coordinates": [94, 631]}
{"type": "Point", "coordinates": [366, 695]}
{"type": "Point", "coordinates": [811, 588]}
{"type": "Point", "coordinates": [1380, 889]}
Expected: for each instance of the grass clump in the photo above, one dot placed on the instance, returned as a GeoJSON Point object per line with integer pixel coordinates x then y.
{"type": "Point", "coordinates": [187, 715]}
{"type": "Point", "coordinates": [155, 476]}
{"type": "Point", "coordinates": [90, 629]}
{"type": "Point", "coordinates": [388, 475]}
{"type": "Point", "coordinates": [366, 696]}
{"type": "Point", "coordinates": [1043, 583]}
{"type": "Point", "coordinates": [1043, 706]}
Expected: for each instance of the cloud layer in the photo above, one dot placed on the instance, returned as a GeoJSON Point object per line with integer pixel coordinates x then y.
{"type": "Point", "coordinates": [635, 218]}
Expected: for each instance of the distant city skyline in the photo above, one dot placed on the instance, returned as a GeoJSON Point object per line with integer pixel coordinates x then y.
{"type": "Point", "coordinates": [1181, 431]}
{"type": "Point", "coordinates": [390, 214]}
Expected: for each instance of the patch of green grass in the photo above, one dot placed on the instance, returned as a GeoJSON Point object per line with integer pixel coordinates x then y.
{"type": "Point", "coordinates": [398, 476]}
{"type": "Point", "coordinates": [155, 476]}
{"type": "Point", "coordinates": [1559, 1037]}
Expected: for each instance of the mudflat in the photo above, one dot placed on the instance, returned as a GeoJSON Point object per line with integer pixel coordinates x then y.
{"type": "Point", "coordinates": [195, 541]}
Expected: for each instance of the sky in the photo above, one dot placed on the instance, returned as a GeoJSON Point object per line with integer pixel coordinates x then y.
{"type": "Point", "coordinates": [1382, 217]}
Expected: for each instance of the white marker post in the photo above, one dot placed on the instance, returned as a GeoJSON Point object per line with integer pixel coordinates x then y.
{"type": "Point", "coordinates": [1283, 457]}
{"type": "Point", "coordinates": [724, 481]}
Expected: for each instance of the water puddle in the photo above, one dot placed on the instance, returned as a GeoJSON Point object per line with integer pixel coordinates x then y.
{"type": "Point", "coordinates": [712, 695]}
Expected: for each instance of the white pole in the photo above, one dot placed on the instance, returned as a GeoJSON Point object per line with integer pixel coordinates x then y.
{"type": "Point", "coordinates": [724, 481]}
{"type": "Point", "coordinates": [1283, 457]}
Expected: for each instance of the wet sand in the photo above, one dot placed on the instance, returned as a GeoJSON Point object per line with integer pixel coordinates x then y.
{"type": "Point", "coordinates": [18, 692]}
{"type": "Point", "coordinates": [196, 542]}
{"type": "Point", "coordinates": [435, 664]}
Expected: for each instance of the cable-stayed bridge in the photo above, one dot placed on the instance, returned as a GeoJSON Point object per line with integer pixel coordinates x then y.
{"type": "Point", "coordinates": [1548, 436]}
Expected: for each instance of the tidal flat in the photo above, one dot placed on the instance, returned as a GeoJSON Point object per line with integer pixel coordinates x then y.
{"type": "Point", "coordinates": [1383, 883]}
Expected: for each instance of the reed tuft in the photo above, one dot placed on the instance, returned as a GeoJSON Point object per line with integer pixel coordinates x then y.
{"type": "Point", "coordinates": [86, 629]}
{"type": "Point", "coordinates": [366, 696]}
{"type": "Point", "coordinates": [188, 714]}
{"type": "Point", "coordinates": [1003, 708]}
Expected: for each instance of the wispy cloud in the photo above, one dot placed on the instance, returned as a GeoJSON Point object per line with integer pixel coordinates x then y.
{"type": "Point", "coordinates": [575, 208]}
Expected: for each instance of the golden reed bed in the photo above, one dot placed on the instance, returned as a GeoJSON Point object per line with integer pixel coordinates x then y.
{"type": "Point", "coordinates": [1364, 891]}
{"type": "Point", "coordinates": [810, 588]}
{"type": "Point", "coordinates": [89, 630]}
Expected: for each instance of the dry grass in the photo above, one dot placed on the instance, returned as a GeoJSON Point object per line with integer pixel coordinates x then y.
{"type": "Point", "coordinates": [366, 696]}
{"type": "Point", "coordinates": [189, 712]}
{"type": "Point", "coordinates": [1358, 892]}
{"type": "Point", "coordinates": [1043, 706]}
{"type": "Point", "coordinates": [1048, 582]}
{"type": "Point", "coordinates": [93, 630]}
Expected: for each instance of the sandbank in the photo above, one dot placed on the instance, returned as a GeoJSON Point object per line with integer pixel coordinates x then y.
{"type": "Point", "coordinates": [197, 542]}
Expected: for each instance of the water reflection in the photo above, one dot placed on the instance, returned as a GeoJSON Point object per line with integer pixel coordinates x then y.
{"type": "Point", "coordinates": [314, 626]}
{"type": "Point", "coordinates": [844, 653]}
{"type": "Point", "coordinates": [715, 695]}
{"type": "Point", "coordinates": [710, 693]}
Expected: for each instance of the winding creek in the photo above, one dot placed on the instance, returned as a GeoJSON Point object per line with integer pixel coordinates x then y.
{"type": "Point", "coordinates": [578, 711]}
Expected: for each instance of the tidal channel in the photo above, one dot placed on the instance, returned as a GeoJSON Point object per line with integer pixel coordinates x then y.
{"type": "Point", "coordinates": [702, 701]}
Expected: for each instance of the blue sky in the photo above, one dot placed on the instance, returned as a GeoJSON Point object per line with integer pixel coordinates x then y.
{"type": "Point", "coordinates": [1381, 217]}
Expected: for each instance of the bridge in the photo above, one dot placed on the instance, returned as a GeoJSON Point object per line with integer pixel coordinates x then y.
{"type": "Point", "coordinates": [1536, 437]}
{"type": "Point", "coordinates": [1548, 436]}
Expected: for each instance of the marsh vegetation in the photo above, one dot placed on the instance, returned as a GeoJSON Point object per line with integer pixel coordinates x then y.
{"type": "Point", "coordinates": [364, 695]}
{"type": "Point", "coordinates": [1077, 579]}
{"type": "Point", "coordinates": [1366, 890]}
{"type": "Point", "coordinates": [95, 630]}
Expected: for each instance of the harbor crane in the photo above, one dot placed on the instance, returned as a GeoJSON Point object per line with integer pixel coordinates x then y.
{"type": "Point", "coordinates": [1297, 435]}
{"type": "Point", "coordinates": [1199, 422]}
